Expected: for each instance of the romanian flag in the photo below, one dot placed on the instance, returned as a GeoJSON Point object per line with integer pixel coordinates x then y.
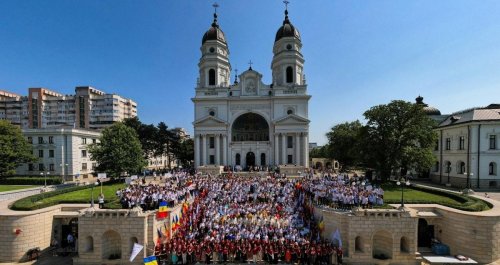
{"type": "Point", "coordinates": [150, 261]}
{"type": "Point", "coordinates": [162, 210]}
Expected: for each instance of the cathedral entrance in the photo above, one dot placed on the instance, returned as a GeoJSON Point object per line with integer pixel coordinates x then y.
{"type": "Point", "coordinates": [250, 127]}
{"type": "Point", "coordinates": [250, 159]}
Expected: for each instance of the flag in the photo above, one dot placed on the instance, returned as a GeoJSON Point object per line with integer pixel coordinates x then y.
{"type": "Point", "coordinates": [159, 233]}
{"type": "Point", "coordinates": [321, 224]}
{"type": "Point", "coordinates": [150, 261]}
{"type": "Point", "coordinates": [162, 210]}
{"type": "Point", "coordinates": [336, 236]}
{"type": "Point", "coordinates": [135, 250]}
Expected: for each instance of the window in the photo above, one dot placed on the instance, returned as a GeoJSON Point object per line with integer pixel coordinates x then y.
{"type": "Point", "coordinates": [84, 153]}
{"type": "Point", "coordinates": [51, 139]}
{"type": "Point", "coordinates": [461, 145]}
{"type": "Point", "coordinates": [30, 167]}
{"type": "Point", "coordinates": [84, 140]}
{"type": "Point", "coordinates": [448, 167]}
{"type": "Point", "coordinates": [238, 159]}
{"type": "Point", "coordinates": [40, 167]}
{"type": "Point", "coordinates": [436, 167]}
{"type": "Point", "coordinates": [290, 159]}
{"type": "Point", "coordinates": [94, 141]}
{"type": "Point", "coordinates": [493, 142]}
{"type": "Point", "coordinates": [493, 168]}
{"type": "Point", "coordinates": [51, 167]}
{"type": "Point", "coordinates": [211, 113]}
{"type": "Point", "coordinates": [448, 143]}
{"type": "Point", "coordinates": [289, 141]}
{"type": "Point", "coordinates": [51, 153]}
{"type": "Point", "coordinates": [289, 74]}
{"type": "Point", "coordinates": [289, 112]}
{"type": "Point", "coordinates": [211, 77]}
{"type": "Point", "coordinates": [40, 140]}
{"type": "Point", "coordinates": [212, 142]}
{"type": "Point", "coordinates": [212, 159]}
{"type": "Point", "coordinates": [94, 165]}
{"type": "Point", "coordinates": [436, 145]}
{"type": "Point", "coordinates": [461, 168]}
{"type": "Point", "coordinates": [262, 159]}
{"type": "Point", "coordinates": [40, 153]}
{"type": "Point", "coordinates": [30, 140]}
{"type": "Point", "coordinates": [84, 166]}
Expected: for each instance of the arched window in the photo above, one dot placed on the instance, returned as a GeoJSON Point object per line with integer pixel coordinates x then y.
{"type": "Point", "coordinates": [211, 77]}
{"type": "Point", "coordinates": [436, 167]}
{"type": "Point", "coordinates": [289, 74]}
{"type": "Point", "coordinates": [447, 168]}
{"type": "Point", "coordinates": [263, 159]}
{"type": "Point", "coordinates": [238, 159]}
{"type": "Point", "coordinates": [493, 168]}
{"type": "Point", "coordinates": [358, 244]}
{"type": "Point", "coordinates": [89, 244]}
{"type": "Point", "coordinates": [461, 167]}
{"type": "Point", "coordinates": [404, 245]}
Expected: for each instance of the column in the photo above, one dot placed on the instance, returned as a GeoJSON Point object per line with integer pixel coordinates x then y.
{"type": "Point", "coordinates": [224, 150]}
{"type": "Point", "coordinates": [306, 150]}
{"type": "Point", "coordinates": [204, 150]}
{"type": "Point", "coordinates": [196, 150]}
{"type": "Point", "coordinates": [276, 149]}
{"type": "Point", "coordinates": [297, 149]}
{"type": "Point", "coordinates": [217, 149]}
{"type": "Point", "coordinates": [283, 149]}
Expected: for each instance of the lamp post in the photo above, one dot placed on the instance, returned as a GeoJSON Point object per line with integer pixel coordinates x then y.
{"type": "Point", "coordinates": [64, 171]}
{"type": "Point", "coordinates": [469, 176]}
{"type": "Point", "coordinates": [92, 196]}
{"type": "Point", "coordinates": [45, 178]}
{"type": "Point", "coordinates": [402, 182]}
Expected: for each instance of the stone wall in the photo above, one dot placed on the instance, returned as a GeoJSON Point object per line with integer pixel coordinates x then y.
{"type": "Point", "coordinates": [367, 233]}
{"type": "Point", "coordinates": [474, 235]}
{"type": "Point", "coordinates": [35, 231]}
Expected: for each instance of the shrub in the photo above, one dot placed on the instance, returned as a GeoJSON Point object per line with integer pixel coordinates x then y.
{"type": "Point", "coordinates": [35, 180]}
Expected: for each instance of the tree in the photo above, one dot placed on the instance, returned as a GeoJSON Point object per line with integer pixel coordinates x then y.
{"type": "Point", "coordinates": [344, 143]}
{"type": "Point", "coordinates": [167, 142]}
{"type": "Point", "coordinates": [118, 151]}
{"type": "Point", "coordinates": [398, 137]}
{"type": "Point", "coordinates": [14, 149]}
{"type": "Point", "coordinates": [147, 135]}
{"type": "Point", "coordinates": [186, 152]}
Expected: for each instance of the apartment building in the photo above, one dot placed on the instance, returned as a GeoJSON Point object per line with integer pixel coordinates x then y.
{"type": "Point", "coordinates": [88, 108]}
{"type": "Point", "coordinates": [14, 107]}
{"type": "Point", "coordinates": [467, 150]}
{"type": "Point", "coordinates": [60, 151]}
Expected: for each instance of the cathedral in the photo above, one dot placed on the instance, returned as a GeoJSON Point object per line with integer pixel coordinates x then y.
{"type": "Point", "coordinates": [246, 123]}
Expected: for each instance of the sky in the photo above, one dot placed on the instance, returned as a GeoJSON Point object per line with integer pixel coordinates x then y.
{"type": "Point", "coordinates": [358, 53]}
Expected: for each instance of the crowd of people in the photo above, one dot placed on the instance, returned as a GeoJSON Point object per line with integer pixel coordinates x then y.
{"type": "Point", "coordinates": [342, 192]}
{"type": "Point", "coordinates": [249, 218]}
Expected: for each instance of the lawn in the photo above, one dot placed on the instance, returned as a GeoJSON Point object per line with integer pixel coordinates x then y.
{"type": "Point", "coordinates": [78, 196]}
{"type": "Point", "coordinates": [418, 195]}
{"type": "Point", "coordinates": [15, 187]}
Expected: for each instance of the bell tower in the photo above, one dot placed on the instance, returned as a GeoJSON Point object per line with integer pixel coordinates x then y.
{"type": "Point", "coordinates": [288, 63]}
{"type": "Point", "coordinates": [214, 66]}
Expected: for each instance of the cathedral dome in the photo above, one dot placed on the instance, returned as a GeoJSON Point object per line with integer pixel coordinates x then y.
{"type": "Point", "coordinates": [427, 109]}
{"type": "Point", "coordinates": [287, 30]}
{"type": "Point", "coordinates": [214, 32]}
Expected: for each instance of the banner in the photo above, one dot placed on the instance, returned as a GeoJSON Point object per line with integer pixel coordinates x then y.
{"type": "Point", "coordinates": [135, 250]}
{"type": "Point", "coordinates": [101, 175]}
{"type": "Point", "coordinates": [150, 261]}
{"type": "Point", "coordinates": [133, 177]}
{"type": "Point", "coordinates": [336, 236]}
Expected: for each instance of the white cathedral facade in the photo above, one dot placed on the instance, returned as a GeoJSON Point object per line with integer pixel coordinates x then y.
{"type": "Point", "coordinates": [248, 123]}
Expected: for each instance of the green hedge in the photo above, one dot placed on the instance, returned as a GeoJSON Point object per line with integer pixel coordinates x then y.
{"type": "Point", "coordinates": [465, 203]}
{"type": "Point", "coordinates": [29, 203]}
{"type": "Point", "coordinates": [37, 180]}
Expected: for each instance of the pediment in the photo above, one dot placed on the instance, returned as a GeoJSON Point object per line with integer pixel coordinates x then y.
{"type": "Point", "coordinates": [291, 119]}
{"type": "Point", "coordinates": [209, 121]}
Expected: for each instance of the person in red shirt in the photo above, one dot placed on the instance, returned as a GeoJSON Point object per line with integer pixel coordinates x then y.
{"type": "Point", "coordinates": [255, 252]}
{"type": "Point", "coordinates": [288, 255]}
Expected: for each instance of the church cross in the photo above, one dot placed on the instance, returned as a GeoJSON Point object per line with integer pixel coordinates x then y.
{"type": "Point", "coordinates": [250, 63]}
{"type": "Point", "coordinates": [286, 4]}
{"type": "Point", "coordinates": [215, 5]}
